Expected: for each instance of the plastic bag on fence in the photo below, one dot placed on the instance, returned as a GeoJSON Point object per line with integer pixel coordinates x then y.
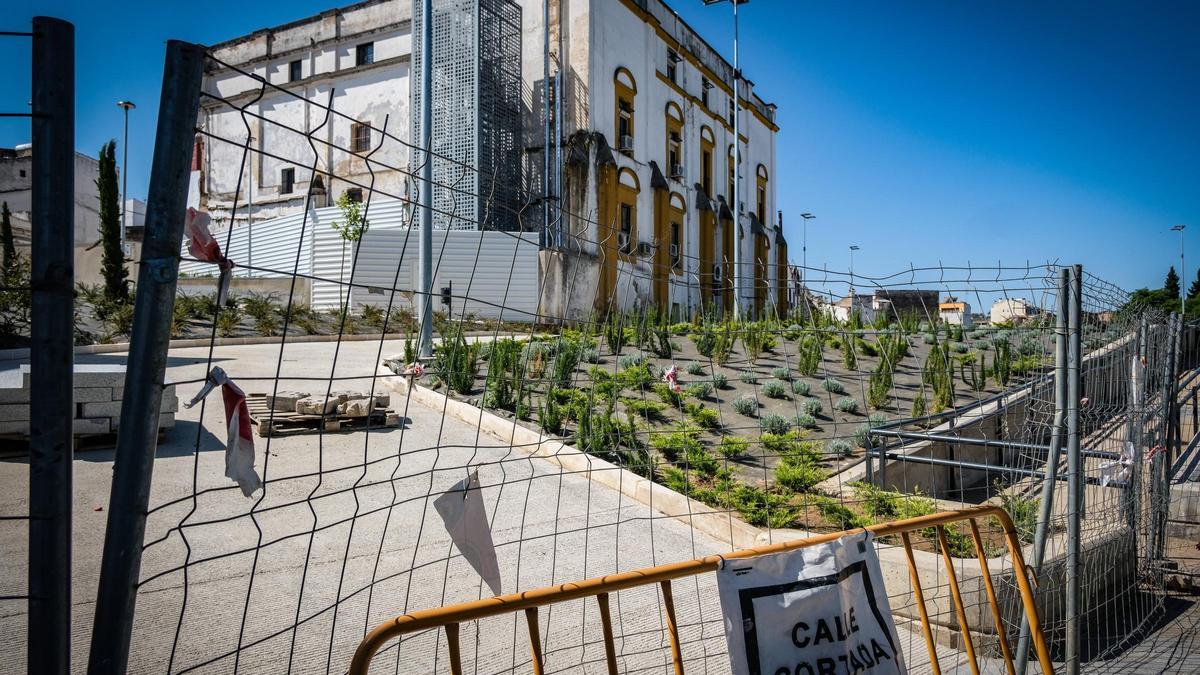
{"type": "Point", "coordinates": [461, 508]}
{"type": "Point", "coordinates": [239, 447]}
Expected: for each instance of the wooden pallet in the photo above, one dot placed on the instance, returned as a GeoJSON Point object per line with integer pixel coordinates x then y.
{"type": "Point", "coordinates": [279, 422]}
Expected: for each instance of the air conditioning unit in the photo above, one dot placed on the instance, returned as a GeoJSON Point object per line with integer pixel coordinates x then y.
{"type": "Point", "coordinates": [677, 171]}
{"type": "Point", "coordinates": [626, 144]}
{"type": "Point", "coordinates": [674, 250]}
{"type": "Point", "coordinates": [623, 241]}
{"type": "Point", "coordinates": [645, 249]}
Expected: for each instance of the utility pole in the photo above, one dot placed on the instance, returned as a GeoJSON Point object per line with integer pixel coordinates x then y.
{"type": "Point", "coordinates": [126, 106]}
{"type": "Point", "coordinates": [425, 343]}
{"type": "Point", "coordinates": [737, 164]}
{"type": "Point", "coordinates": [1182, 272]}
{"type": "Point", "coordinates": [543, 236]}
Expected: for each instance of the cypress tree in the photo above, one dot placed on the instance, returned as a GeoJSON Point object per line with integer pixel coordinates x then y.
{"type": "Point", "coordinates": [116, 283]}
{"type": "Point", "coordinates": [6, 235]}
{"type": "Point", "coordinates": [1171, 285]}
{"type": "Point", "coordinates": [1194, 289]}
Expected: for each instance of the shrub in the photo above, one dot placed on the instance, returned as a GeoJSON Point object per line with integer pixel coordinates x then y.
{"type": "Point", "coordinates": [631, 360]}
{"type": "Point", "coordinates": [1024, 512]}
{"type": "Point", "coordinates": [837, 514]}
{"type": "Point", "coordinates": [590, 355]}
{"type": "Point", "coordinates": [928, 339]}
{"type": "Point", "coordinates": [551, 413]}
{"type": "Point", "coordinates": [678, 443]}
{"type": "Point", "coordinates": [705, 418]}
{"type": "Point", "coordinates": [833, 386]}
{"type": "Point", "coordinates": [694, 368]}
{"type": "Point", "coordinates": [733, 446]}
{"type": "Point", "coordinates": [705, 340]}
{"type": "Point", "coordinates": [748, 376]}
{"type": "Point", "coordinates": [371, 315]}
{"type": "Point", "coordinates": [804, 421]}
{"type": "Point", "coordinates": [862, 437]}
{"type": "Point", "coordinates": [228, 320]}
{"type": "Point", "coordinates": [774, 389]}
{"type": "Point", "coordinates": [745, 405]}
{"type": "Point", "coordinates": [800, 388]}
{"type": "Point", "coordinates": [837, 447]}
{"type": "Point", "coordinates": [808, 355]}
{"type": "Point", "coordinates": [267, 324]}
{"type": "Point", "coordinates": [781, 373]}
{"type": "Point", "coordinates": [457, 361]}
{"type": "Point", "coordinates": [699, 390]}
{"type": "Point", "coordinates": [566, 359]}
{"type": "Point", "coordinates": [798, 475]}
{"type": "Point", "coordinates": [959, 347]}
{"type": "Point", "coordinates": [720, 380]}
{"type": "Point", "coordinates": [667, 394]}
{"type": "Point", "coordinates": [774, 424]}
{"type": "Point", "coordinates": [877, 502]}
{"type": "Point", "coordinates": [846, 405]}
{"type": "Point", "coordinates": [811, 407]}
{"type": "Point", "coordinates": [646, 409]}
{"type": "Point", "coordinates": [849, 358]}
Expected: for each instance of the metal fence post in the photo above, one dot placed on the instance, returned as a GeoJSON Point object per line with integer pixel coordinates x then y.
{"type": "Point", "coordinates": [52, 356]}
{"type": "Point", "coordinates": [137, 439]}
{"type": "Point", "coordinates": [1075, 481]}
{"type": "Point", "coordinates": [1052, 456]}
{"type": "Point", "coordinates": [425, 241]}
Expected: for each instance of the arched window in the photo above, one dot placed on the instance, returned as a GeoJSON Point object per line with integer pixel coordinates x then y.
{"type": "Point", "coordinates": [674, 128]}
{"type": "Point", "coordinates": [706, 160]}
{"type": "Point", "coordinates": [626, 90]}
{"type": "Point", "coordinates": [628, 189]}
{"type": "Point", "coordinates": [675, 216]}
{"type": "Point", "coordinates": [760, 194]}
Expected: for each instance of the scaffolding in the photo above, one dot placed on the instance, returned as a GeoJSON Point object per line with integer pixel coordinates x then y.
{"type": "Point", "coordinates": [476, 113]}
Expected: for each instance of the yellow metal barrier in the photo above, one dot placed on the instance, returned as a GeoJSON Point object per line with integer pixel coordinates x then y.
{"type": "Point", "coordinates": [451, 616]}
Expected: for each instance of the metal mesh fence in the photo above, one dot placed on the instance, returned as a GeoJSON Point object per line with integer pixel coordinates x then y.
{"type": "Point", "coordinates": [639, 434]}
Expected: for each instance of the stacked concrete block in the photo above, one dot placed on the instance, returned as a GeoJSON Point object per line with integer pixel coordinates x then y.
{"type": "Point", "coordinates": [348, 403]}
{"type": "Point", "coordinates": [99, 390]}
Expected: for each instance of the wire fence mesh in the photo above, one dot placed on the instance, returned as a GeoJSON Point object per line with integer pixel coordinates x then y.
{"type": "Point", "coordinates": [618, 436]}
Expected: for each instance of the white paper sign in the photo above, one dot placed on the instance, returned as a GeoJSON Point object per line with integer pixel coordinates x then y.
{"type": "Point", "coordinates": [820, 610]}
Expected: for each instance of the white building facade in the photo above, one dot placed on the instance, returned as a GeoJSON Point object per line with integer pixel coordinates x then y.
{"type": "Point", "coordinates": [641, 193]}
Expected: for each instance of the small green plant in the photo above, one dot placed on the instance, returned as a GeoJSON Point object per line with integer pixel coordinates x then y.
{"type": "Point", "coordinates": [458, 362]}
{"type": "Point", "coordinates": [590, 355]}
{"type": "Point", "coordinates": [745, 405]}
{"type": "Point", "coordinates": [837, 447]}
{"type": "Point", "coordinates": [849, 358]}
{"type": "Point", "coordinates": [699, 390]}
{"type": "Point", "coordinates": [804, 421]}
{"type": "Point", "coordinates": [748, 376]}
{"type": "Point", "coordinates": [811, 407]}
{"type": "Point", "coordinates": [720, 380]}
{"type": "Point", "coordinates": [694, 368]}
{"type": "Point", "coordinates": [229, 320]}
{"type": "Point", "coordinates": [667, 394]}
{"type": "Point", "coordinates": [919, 406]}
{"type": "Point", "coordinates": [631, 360]}
{"type": "Point", "coordinates": [781, 373]}
{"type": "Point", "coordinates": [755, 339]}
{"type": "Point", "coordinates": [733, 446]}
{"type": "Point", "coordinates": [837, 514]}
{"type": "Point", "coordinates": [1024, 512]}
{"type": "Point", "coordinates": [846, 405]}
{"type": "Point", "coordinates": [267, 324]}
{"type": "Point", "coordinates": [353, 223]}
{"type": "Point", "coordinates": [833, 386]}
{"type": "Point", "coordinates": [800, 388]}
{"type": "Point", "coordinates": [677, 443]}
{"type": "Point", "coordinates": [551, 413]}
{"type": "Point", "coordinates": [774, 424]}
{"type": "Point", "coordinates": [808, 356]}
{"type": "Point", "coordinates": [705, 418]}
{"type": "Point", "coordinates": [371, 316]}
{"type": "Point", "coordinates": [877, 502]}
{"type": "Point", "coordinates": [774, 389]}
{"type": "Point", "coordinates": [650, 410]}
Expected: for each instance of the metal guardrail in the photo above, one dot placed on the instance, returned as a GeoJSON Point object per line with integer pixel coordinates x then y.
{"type": "Point", "coordinates": [451, 617]}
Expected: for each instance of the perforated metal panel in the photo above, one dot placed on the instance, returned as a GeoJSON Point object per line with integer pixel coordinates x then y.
{"type": "Point", "coordinates": [476, 112]}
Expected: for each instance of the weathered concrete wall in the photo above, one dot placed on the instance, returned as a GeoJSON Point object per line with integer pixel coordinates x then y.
{"type": "Point", "coordinates": [568, 285]}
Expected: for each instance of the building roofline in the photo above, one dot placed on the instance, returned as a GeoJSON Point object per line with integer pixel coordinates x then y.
{"type": "Point", "coordinates": [312, 18]}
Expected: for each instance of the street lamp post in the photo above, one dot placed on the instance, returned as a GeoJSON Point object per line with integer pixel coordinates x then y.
{"type": "Point", "coordinates": [126, 106]}
{"type": "Point", "coordinates": [853, 248]}
{"type": "Point", "coordinates": [804, 246]}
{"type": "Point", "coordinates": [737, 163]}
{"type": "Point", "coordinates": [1182, 271]}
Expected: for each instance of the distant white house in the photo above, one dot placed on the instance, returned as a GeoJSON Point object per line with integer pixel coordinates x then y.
{"type": "Point", "coordinates": [867, 307]}
{"type": "Point", "coordinates": [1013, 310]}
{"type": "Point", "coordinates": [955, 312]}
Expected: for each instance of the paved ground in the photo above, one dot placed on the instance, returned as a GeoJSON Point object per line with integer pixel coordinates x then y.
{"type": "Point", "coordinates": [313, 550]}
{"type": "Point", "coordinates": [348, 516]}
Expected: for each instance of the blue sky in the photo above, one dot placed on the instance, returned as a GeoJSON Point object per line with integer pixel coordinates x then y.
{"type": "Point", "coordinates": [923, 132]}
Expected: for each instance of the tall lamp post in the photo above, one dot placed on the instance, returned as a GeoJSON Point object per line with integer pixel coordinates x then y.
{"type": "Point", "coordinates": [804, 246]}
{"type": "Point", "coordinates": [853, 248]}
{"type": "Point", "coordinates": [126, 106]}
{"type": "Point", "coordinates": [1182, 272]}
{"type": "Point", "coordinates": [737, 163]}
